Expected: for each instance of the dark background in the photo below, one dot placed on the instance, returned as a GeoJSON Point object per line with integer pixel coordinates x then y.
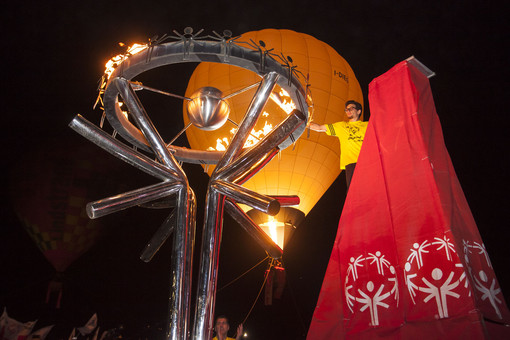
{"type": "Point", "coordinates": [54, 53]}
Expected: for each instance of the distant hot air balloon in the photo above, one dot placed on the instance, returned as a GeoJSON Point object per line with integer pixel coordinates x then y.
{"type": "Point", "coordinates": [310, 166]}
{"type": "Point", "coordinates": [50, 189]}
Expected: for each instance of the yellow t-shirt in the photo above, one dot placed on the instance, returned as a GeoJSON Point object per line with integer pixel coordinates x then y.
{"type": "Point", "coordinates": [350, 135]}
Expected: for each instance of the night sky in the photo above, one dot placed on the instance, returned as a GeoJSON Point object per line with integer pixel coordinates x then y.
{"type": "Point", "coordinates": [54, 56]}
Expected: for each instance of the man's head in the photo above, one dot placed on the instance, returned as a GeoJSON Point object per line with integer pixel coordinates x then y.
{"type": "Point", "coordinates": [221, 325]}
{"type": "Point", "coordinates": [353, 110]}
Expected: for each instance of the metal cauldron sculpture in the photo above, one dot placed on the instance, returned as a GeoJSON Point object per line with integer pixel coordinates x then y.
{"type": "Point", "coordinates": [233, 167]}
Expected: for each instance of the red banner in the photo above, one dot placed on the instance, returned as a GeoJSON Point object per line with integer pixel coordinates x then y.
{"type": "Point", "coordinates": [408, 260]}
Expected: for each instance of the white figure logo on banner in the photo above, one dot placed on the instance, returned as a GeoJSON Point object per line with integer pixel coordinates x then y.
{"type": "Point", "coordinates": [433, 274]}
{"type": "Point", "coordinates": [375, 293]}
{"type": "Point", "coordinates": [436, 279]}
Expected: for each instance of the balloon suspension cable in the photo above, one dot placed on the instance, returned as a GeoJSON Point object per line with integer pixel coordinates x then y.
{"type": "Point", "coordinates": [243, 274]}
{"type": "Point", "coordinates": [271, 264]}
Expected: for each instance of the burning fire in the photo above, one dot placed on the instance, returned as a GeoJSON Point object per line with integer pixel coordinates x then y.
{"type": "Point", "coordinates": [112, 64]}
{"type": "Point", "coordinates": [254, 137]}
{"type": "Point", "coordinates": [275, 230]}
{"type": "Point", "coordinates": [282, 99]}
{"type": "Point", "coordinates": [286, 104]}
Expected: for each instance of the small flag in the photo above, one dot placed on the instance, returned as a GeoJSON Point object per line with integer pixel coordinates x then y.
{"type": "Point", "coordinates": [40, 333]}
{"type": "Point", "coordinates": [72, 336]}
{"type": "Point", "coordinates": [96, 334]}
{"type": "Point", "coordinates": [104, 335]}
{"type": "Point", "coordinates": [11, 329]}
{"type": "Point", "coordinates": [89, 326]}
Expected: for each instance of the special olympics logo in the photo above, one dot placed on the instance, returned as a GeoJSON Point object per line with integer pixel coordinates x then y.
{"type": "Point", "coordinates": [380, 291]}
{"type": "Point", "coordinates": [484, 279]}
{"type": "Point", "coordinates": [433, 272]}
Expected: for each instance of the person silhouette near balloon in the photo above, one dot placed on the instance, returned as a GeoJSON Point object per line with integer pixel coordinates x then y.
{"type": "Point", "coordinates": [350, 134]}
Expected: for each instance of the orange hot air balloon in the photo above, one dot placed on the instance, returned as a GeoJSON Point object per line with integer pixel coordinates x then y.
{"type": "Point", "coordinates": [310, 166]}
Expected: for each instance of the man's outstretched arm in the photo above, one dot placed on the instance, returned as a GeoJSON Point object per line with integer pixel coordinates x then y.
{"type": "Point", "coordinates": [317, 127]}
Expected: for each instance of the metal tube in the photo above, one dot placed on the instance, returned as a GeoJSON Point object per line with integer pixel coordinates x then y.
{"type": "Point", "coordinates": [266, 146]}
{"type": "Point", "coordinates": [253, 230]}
{"type": "Point", "coordinates": [178, 135]}
{"type": "Point", "coordinates": [120, 150]}
{"type": "Point", "coordinates": [245, 172]}
{"type": "Point", "coordinates": [159, 237]}
{"type": "Point", "coordinates": [195, 156]}
{"type": "Point", "coordinates": [182, 256]}
{"type": "Point", "coordinates": [254, 110]}
{"type": "Point", "coordinates": [165, 203]}
{"type": "Point", "coordinates": [287, 201]}
{"type": "Point", "coordinates": [129, 199]}
{"type": "Point", "coordinates": [190, 246]}
{"type": "Point", "coordinates": [240, 91]}
{"type": "Point", "coordinates": [145, 125]}
{"type": "Point", "coordinates": [208, 271]}
{"type": "Point", "coordinates": [141, 86]}
{"type": "Point", "coordinates": [243, 195]}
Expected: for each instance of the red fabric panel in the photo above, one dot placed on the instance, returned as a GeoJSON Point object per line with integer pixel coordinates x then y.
{"type": "Point", "coordinates": [408, 260]}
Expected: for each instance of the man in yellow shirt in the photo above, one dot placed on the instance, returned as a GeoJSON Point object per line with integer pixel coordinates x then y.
{"type": "Point", "coordinates": [222, 326]}
{"type": "Point", "coordinates": [350, 134]}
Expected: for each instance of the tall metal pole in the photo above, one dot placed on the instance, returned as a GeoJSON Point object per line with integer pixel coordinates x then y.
{"type": "Point", "coordinates": [213, 222]}
{"type": "Point", "coordinates": [178, 320]}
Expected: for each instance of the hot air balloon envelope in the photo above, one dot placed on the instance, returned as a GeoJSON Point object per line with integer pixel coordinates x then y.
{"type": "Point", "coordinates": [311, 164]}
